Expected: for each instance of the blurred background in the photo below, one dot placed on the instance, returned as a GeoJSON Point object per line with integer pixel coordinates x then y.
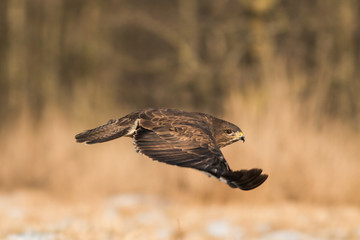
{"type": "Point", "coordinates": [286, 72]}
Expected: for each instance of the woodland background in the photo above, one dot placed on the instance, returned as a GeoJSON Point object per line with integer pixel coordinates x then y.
{"type": "Point", "coordinates": [287, 72]}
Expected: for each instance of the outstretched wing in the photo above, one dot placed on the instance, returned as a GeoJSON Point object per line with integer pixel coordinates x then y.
{"type": "Point", "coordinates": [182, 146]}
{"type": "Point", "coordinates": [115, 128]}
{"type": "Point", "coordinates": [190, 144]}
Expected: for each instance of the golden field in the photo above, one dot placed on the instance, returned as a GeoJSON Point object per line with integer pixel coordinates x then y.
{"type": "Point", "coordinates": [55, 188]}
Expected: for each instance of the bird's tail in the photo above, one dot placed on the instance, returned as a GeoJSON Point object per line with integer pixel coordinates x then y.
{"type": "Point", "coordinates": [115, 128]}
{"type": "Point", "coordinates": [245, 179]}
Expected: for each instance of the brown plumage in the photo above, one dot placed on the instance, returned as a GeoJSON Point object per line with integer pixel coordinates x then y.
{"type": "Point", "coordinates": [185, 139]}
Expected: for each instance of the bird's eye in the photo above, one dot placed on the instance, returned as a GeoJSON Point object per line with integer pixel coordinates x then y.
{"type": "Point", "coordinates": [228, 131]}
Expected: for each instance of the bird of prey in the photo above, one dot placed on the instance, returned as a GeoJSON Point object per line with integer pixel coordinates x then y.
{"type": "Point", "coordinates": [185, 139]}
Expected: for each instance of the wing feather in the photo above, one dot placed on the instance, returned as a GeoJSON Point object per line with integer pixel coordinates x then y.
{"type": "Point", "coordinates": [168, 149]}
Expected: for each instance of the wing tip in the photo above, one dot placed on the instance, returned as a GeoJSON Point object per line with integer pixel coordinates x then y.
{"type": "Point", "coordinates": [80, 137]}
{"type": "Point", "coordinates": [256, 183]}
{"type": "Point", "coordinates": [84, 138]}
{"type": "Point", "coordinates": [246, 179]}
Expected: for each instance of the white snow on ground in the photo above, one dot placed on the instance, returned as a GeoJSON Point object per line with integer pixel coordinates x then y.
{"type": "Point", "coordinates": [136, 216]}
{"type": "Point", "coordinates": [288, 235]}
{"type": "Point", "coordinates": [32, 236]}
{"type": "Point", "coordinates": [224, 229]}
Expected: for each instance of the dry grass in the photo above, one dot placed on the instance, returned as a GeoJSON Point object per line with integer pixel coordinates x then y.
{"type": "Point", "coordinates": [305, 161]}
{"type": "Point", "coordinates": [47, 180]}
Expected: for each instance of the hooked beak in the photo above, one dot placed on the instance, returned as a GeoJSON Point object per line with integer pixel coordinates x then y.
{"type": "Point", "coordinates": [240, 136]}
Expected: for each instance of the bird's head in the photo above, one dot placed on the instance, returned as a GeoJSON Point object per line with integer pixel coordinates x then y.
{"type": "Point", "coordinates": [226, 133]}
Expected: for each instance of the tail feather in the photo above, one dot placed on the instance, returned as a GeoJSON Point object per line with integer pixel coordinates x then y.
{"type": "Point", "coordinates": [106, 132]}
{"type": "Point", "coordinates": [245, 179]}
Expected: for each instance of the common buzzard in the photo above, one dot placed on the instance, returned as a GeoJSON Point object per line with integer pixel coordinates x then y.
{"type": "Point", "coordinates": [185, 139]}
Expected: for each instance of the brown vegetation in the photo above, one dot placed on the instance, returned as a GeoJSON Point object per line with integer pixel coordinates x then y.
{"type": "Point", "coordinates": [286, 72]}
